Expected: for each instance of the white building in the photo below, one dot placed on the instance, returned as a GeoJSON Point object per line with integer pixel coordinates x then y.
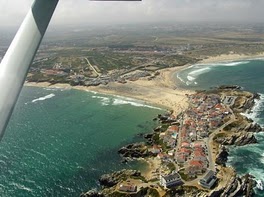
{"type": "Point", "coordinates": [170, 180]}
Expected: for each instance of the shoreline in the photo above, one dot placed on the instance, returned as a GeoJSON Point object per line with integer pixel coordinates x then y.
{"type": "Point", "coordinates": [216, 156]}
{"type": "Point", "coordinates": [161, 92]}
{"type": "Point", "coordinates": [230, 58]}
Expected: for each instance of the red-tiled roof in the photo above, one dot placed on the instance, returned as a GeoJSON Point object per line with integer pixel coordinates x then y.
{"type": "Point", "coordinates": [185, 150]}
{"type": "Point", "coordinates": [196, 163]}
{"type": "Point", "coordinates": [198, 153]}
{"type": "Point", "coordinates": [185, 144]}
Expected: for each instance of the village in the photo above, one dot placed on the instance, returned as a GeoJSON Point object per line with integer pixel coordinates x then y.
{"type": "Point", "coordinates": [184, 150]}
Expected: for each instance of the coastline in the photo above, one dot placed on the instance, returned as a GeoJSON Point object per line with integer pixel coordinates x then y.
{"type": "Point", "coordinates": [229, 183]}
{"type": "Point", "coordinates": [230, 58]}
{"type": "Point", "coordinates": [161, 91]}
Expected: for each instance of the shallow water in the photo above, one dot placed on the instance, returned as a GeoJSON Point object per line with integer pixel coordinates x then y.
{"type": "Point", "coordinates": [59, 141]}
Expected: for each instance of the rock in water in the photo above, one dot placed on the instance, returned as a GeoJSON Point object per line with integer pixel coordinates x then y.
{"type": "Point", "coordinates": [221, 158]}
{"type": "Point", "coordinates": [92, 193]}
{"type": "Point", "coordinates": [110, 180]}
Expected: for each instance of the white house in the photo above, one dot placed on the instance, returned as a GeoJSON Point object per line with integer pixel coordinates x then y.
{"type": "Point", "coordinates": [170, 180]}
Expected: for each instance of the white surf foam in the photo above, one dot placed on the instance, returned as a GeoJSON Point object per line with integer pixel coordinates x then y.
{"type": "Point", "coordinates": [262, 159]}
{"type": "Point", "coordinates": [256, 110]}
{"type": "Point", "coordinates": [91, 91]}
{"type": "Point", "coordinates": [256, 172]}
{"type": "Point", "coordinates": [104, 100]}
{"type": "Point", "coordinates": [230, 63]}
{"type": "Point", "coordinates": [178, 76]}
{"type": "Point", "coordinates": [43, 98]}
{"type": "Point", "coordinates": [22, 187]}
{"type": "Point", "coordinates": [190, 78]}
{"type": "Point", "coordinates": [51, 89]}
{"type": "Point", "coordinates": [197, 69]}
{"type": "Point", "coordinates": [136, 103]}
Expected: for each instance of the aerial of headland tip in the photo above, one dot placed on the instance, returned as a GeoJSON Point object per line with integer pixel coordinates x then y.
{"type": "Point", "coordinates": [187, 152]}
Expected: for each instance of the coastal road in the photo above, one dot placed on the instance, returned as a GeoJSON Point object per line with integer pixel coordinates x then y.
{"type": "Point", "coordinates": [209, 140]}
{"type": "Point", "coordinates": [88, 62]}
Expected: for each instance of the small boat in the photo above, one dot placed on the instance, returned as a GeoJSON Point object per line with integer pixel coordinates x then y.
{"type": "Point", "coordinates": [260, 184]}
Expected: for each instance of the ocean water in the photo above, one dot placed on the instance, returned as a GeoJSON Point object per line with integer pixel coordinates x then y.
{"type": "Point", "coordinates": [59, 142]}
{"type": "Point", "coordinates": [250, 75]}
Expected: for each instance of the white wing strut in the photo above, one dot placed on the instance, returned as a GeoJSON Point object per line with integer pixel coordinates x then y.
{"type": "Point", "coordinates": [19, 56]}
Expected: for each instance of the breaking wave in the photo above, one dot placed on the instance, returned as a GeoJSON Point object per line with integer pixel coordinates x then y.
{"type": "Point", "coordinates": [256, 110]}
{"type": "Point", "coordinates": [104, 100]}
{"type": "Point", "coordinates": [135, 103]}
{"type": "Point", "coordinates": [91, 91]}
{"type": "Point", "coordinates": [43, 98]}
{"type": "Point", "coordinates": [190, 74]}
{"type": "Point", "coordinates": [120, 100]}
{"type": "Point", "coordinates": [230, 63]}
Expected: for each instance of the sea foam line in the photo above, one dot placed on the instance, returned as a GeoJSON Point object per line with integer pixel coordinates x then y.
{"type": "Point", "coordinates": [231, 63]}
{"type": "Point", "coordinates": [91, 91]}
{"type": "Point", "coordinates": [22, 187]}
{"type": "Point", "coordinates": [133, 103]}
{"type": "Point", "coordinates": [43, 98]}
{"type": "Point", "coordinates": [178, 76]}
{"type": "Point", "coordinates": [224, 63]}
{"type": "Point", "coordinates": [204, 68]}
{"type": "Point", "coordinates": [104, 100]}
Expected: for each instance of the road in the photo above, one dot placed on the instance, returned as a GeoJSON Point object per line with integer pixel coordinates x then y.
{"type": "Point", "coordinates": [88, 62]}
{"type": "Point", "coordinates": [209, 140]}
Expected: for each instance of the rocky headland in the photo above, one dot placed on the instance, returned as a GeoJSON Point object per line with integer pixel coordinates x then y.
{"type": "Point", "coordinates": [234, 129]}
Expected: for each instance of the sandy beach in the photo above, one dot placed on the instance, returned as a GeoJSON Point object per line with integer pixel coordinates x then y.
{"type": "Point", "coordinates": [230, 57]}
{"type": "Point", "coordinates": [161, 91]}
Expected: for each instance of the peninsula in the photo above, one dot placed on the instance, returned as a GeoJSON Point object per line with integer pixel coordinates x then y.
{"type": "Point", "coordinates": [188, 151]}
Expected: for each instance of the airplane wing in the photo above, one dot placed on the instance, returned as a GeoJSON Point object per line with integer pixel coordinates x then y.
{"type": "Point", "coordinates": [19, 56]}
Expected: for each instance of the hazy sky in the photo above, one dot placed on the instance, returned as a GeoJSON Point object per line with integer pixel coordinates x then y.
{"type": "Point", "coordinates": [76, 12]}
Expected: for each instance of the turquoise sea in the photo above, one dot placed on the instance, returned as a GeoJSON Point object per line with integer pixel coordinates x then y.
{"type": "Point", "coordinates": [250, 75]}
{"type": "Point", "coordinates": [60, 141]}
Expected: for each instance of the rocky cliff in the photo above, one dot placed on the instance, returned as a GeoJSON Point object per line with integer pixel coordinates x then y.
{"type": "Point", "coordinates": [136, 150]}
{"type": "Point", "coordinates": [236, 187]}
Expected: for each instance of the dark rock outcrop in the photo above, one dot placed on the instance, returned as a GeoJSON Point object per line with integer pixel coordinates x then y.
{"type": "Point", "coordinates": [110, 180]}
{"type": "Point", "coordinates": [136, 150]}
{"type": "Point", "coordinates": [157, 129]}
{"type": "Point", "coordinates": [238, 139]}
{"type": "Point", "coordinates": [149, 138]}
{"type": "Point", "coordinates": [253, 127]}
{"type": "Point", "coordinates": [229, 87]}
{"type": "Point", "coordinates": [221, 158]}
{"type": "Point", "coordinates": [92, 193]}
{"type": "Point", "coordinates": [237, 186]}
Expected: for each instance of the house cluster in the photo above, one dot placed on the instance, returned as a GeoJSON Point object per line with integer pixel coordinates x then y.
{"type": "Point", "coordinates": [185, 140]}
{"type": "Point", "coordinates": [170, 136]}
{"type": "Point", "coordinates": [192, 155]}
{"type": "Point", "coordinates": [205, 113]}
{"type": "Point", "coordinates": [53, 72]}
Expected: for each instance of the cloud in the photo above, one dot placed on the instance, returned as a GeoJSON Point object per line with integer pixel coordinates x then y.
{"type": "Point", "coordinates": [90, 12]}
